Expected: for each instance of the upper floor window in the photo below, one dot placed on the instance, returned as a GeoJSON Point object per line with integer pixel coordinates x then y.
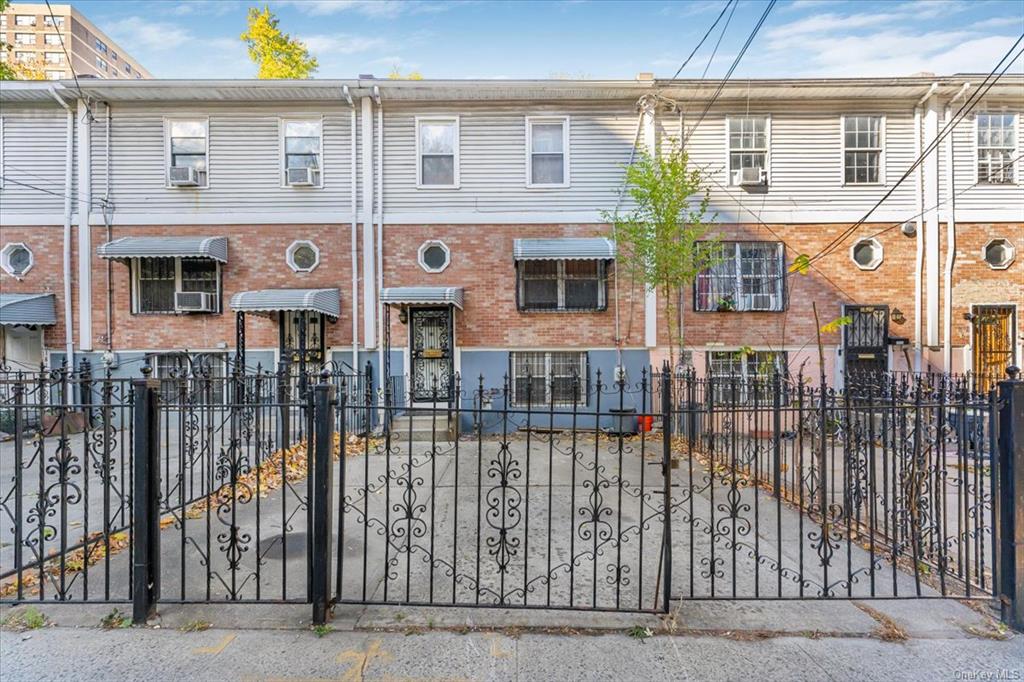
{"type": "Point", "coordinates": [113, 55]}
{"type": "Point", "coordinates": [562, 284]}
{"type": "Point", "coordinates": [101, 63]}
{"type": "Point", "coordinates": [25, 20]}
{"type": "Point", "coordinates": [547, 142]}
{"type": "Point", "coordinates": [187, 153]}
{"type": "Point", "coordinates": [54, 75]}
{"type": "Point", "coordinates": [24, 56]}
{"type": "Point", "coordinates": [748, 150]}
{"type": "Point", "coordinates": [24, 38]}
{"type": "Point", "coordinates": [54, 57]}
{"type": "Point", "coordinates": [303, 151]}
{"type": "Point", "coordinates": [549, 377]}
{"type": "Point", "coordinates": [437, 152]}
{"type": "Point", "coordinates": [159, 280]}
{"type": "Point", "coordinates": [997, 142]}
{"type": "Point", "coordinates": [862, 150]}
{"type": "Point", "coordinates": [749, 276]}
{"type": "Point", "coordinates": [101, 46]}
{"type": "Point", "coordinates": [127, 68]}
{"type": "Point", "coordinates": [52, 21]}
{"type": "Point", "coordinates": [52, 39]}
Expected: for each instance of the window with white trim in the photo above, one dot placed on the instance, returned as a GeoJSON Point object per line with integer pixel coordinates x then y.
{"type": "Point", "coordinates": [743, 378]}
{"type": "Point", "coordinates": [54, 58]}
{"type": "Point", "coordinates": [54, 75]}
{"type": "Point", "coordinates": [547, 144]}
{"type": "Point", "coordinates": [25, 20]}
{"type": "Point", "coordinates": [748, 149]}
{"type": "Point", "coordinates": [566, 285]}
{"type": "Point", "coordinates": [157, 279]}
{"type": "Point", "coordinates": [301, 144]}
{"type": "Point", "coordinates": [997, 142]}
{"type": "Point", "coordinates": [52, 39]}
{"type": "Point", "coordinates": [862, 150]}
{"type": "Point", "coordinates": [101, 46]}
{"type": "Point", "coordinates": [52, 22]}
{"type": "Point", "coordinates": [24, 57]}
{"type": "Point", "coordinates": [437, 152]}
{"type": "Point", "coordinates": [101, 63]}
{"type": "Point", "coordinates": [16, 259]}
{"type": "Point", "coordinates": [549, 378]}
{"type": "Point", "coordinates": [24, 38]}
{"type": "Point", "coordinates": [187, 146]}
{"type": "Point", "coordinates": [748, 276]}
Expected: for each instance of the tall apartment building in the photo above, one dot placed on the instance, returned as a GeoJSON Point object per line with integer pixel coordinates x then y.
{"type": "Point", "coordinates": [35, 37]}
{"type": "Point", "coordinates": [443, 228]}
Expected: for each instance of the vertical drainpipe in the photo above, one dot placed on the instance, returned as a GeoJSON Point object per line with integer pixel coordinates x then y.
{"type": "Point", "coordinates": [354, 233]}
{"type": "Point", "coordinates": [947, 314]}
{"type": "Point", "coordinates": [931, 218]}
{"type": "Point", "coordinates": [107, 218]}
{"type": "Point", "coordinates": [380, 241]}
{"type": "Point", "coordinates": [919, 234]}
{"type": "Point", "coordinates": [69, 153]}
{"type": "Point", "coordinates": [648, 105]}
{"type": "Point", "coordinates": [84, 232]}
{"type": "Point", "coordinates": [369, 276]}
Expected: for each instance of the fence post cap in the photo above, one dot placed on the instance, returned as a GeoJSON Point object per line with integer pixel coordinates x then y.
{"type": "Point", "coordinates": [146, 369]}
{"type": "Point", "coordinates": [1013, 371]}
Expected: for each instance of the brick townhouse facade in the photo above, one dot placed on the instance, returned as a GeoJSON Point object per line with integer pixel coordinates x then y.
{"type": "Point", "coordinates": [443, 228]}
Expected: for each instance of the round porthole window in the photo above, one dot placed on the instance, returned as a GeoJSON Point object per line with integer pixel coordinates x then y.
{"type": "Point", "coordinates": [999, 254]}
{"type": "Point", "coordinates": [303, 256]}
{"type": "Point", "coordinates": [16, 259]}
{"type": "Point", "coordinates": [434, 256]}
{"type": "Point", "coordinates": [867, 253]}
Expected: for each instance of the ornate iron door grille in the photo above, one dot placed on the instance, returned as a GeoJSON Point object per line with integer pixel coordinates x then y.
{"type": "Point", "coordinates": [865, 339]}
{"type": "Point", "coordinates": [430, 348]}
{"type": "Point", "coordinates": [992, 331]}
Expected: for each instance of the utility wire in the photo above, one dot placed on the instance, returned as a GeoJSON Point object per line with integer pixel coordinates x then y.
{"type": "Point", "coordinates": [706, 34]}
{"type": "Point", "coordinates": [51, 192]}
{"type": "Point", "coordinates": [732, 68]}
{"type": "Point", "coordinates": [71, 64]}
{"type": "Point", "coordinates": [718, 43]}
{"type": "Point", "coordinates": [955, 120]}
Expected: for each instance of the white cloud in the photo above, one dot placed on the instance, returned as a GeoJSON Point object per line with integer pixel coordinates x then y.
{"type": "Point", "coordinates": [999, 22]}
{"type": "Point", "coordinates": [340, 43]}
{"type": "Point", "coordinates": [386, 9]}
{"type": "Point", "coordinates": [136, 33]}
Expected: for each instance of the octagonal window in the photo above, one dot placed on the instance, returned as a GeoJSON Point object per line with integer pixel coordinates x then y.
{"type": "Point", "coordinates": [999, 254]}
{"type": "Point", "coordinates": [303, 256]}
{"type": "Point", "coordinates": [434, 256]}
{"type": "Point", "coordinates": [16, 259]}
{"type": "Point", "coordinates": [867, 253]}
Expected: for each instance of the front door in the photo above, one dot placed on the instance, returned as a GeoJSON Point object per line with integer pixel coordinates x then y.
{"type": "Point", "coordinates": [430, 351]}
{"type": "Point", "coordinates": [866, 338]}
{"type": "Point", "coordinates": [993, 343]}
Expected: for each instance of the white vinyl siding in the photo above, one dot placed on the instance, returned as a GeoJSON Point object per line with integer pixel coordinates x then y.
{"type": "Point", "coordinates": [33, 161]}
{"type": "Point", "coordinates": [547, 151]}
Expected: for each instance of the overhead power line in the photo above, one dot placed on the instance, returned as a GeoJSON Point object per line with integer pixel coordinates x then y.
{"type": "Point", "coordinates": [706, 34]}
{"type": "Point", "coordinates": [71, 64]}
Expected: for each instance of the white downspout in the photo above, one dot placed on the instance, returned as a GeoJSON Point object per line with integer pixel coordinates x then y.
{"type": "Point", "coordinates": [69, 152]}
{"type": "Point", "coordinates": [354, 209]}
{"type": "Point", "coordinates": [84, 231]}
{"type": "Point", "coordinates": [107, 218]}
{"type": "Point", "coordinates": [947, 313]}
{"type": "Point", "coordinates": [648, 111]}
{"type": "Point", "coordinates": [380, 239]}
{"type": "Point", "coordinates": [919, 255]}
{"type": "Point", "coordinates": [369, 298]}
{"type": "Point", "coordinates": [930, 166]}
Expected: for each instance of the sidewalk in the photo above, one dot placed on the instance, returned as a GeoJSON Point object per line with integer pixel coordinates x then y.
{"type": "Point", "coordinates": [929, 640]}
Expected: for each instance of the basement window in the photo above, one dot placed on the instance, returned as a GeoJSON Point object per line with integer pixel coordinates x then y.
{"type": "Point", "coordinates": [862, 150]}
{"type": "Point", "coordinates": [549, 378]}
{"type": "Point", "coordinates": [997, 143]}
{"type": "Point", "coordinates": [743, 378]}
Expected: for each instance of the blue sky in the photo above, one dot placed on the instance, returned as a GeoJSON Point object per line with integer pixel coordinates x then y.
{"type": "Point", "coordinates": [573, 38]}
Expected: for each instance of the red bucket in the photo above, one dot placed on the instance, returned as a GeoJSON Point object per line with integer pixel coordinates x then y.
{"type": "Point", "coordinates": [645, 422]}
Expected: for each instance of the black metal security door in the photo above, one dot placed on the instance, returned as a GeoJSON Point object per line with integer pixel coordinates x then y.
{"type": "Point", "coordinates": [430, 350]}
{"type": "Point", "coordinates": [865, 339]}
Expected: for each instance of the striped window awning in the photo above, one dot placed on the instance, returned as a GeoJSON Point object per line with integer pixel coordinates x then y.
{"type": "Point", "coordinates": [215, 248]}
{"type": "Point", "coordinates": [326, 301]}
{"type": "Point", "coordinates": [422, 296]}
{"type": "Point", "coordinates": [566, 248]}
{"type": "Point", "coordinates": [25, 310]}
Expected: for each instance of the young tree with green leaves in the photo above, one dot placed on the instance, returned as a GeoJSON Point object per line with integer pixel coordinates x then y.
{"type": "Point", "coordinates": [665, 241]}
{"type": "Point", "coordinates": [396, 75]}
{"type": "Point", "coordinates": [277, 54]}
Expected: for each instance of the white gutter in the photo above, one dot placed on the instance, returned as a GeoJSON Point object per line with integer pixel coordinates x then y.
{"type": "Point", "coordinates": [69, 152]}
{"type": "Point", "coordinates": [947, 312]}
{"type": "Point", "coordinates": [84, 232]}
{"type": "Point", "coordinates": [380, 238]}
{"type": "Point", "coordinates": [355, 258]}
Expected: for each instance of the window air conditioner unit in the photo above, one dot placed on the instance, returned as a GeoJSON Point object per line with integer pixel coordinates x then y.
{"type": "Point", "coordinates": [193, 302]}
{"type": "Point", "coordinates": [184, 176]}
{"type": "Point", "coordinates": [302, 177]}
{"type": "Point", "coordinates": [750, 177]}
{"type": "Point", "coordinates": [762, 302]}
